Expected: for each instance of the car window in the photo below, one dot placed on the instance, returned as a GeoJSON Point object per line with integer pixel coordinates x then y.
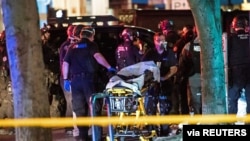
{"type": "Point", "coordinates": [107, 42]}
{"type": "Point", "coordinates": [107, 38]}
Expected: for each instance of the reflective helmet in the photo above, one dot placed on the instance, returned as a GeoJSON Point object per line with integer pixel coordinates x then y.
{"type": "Point", "coordinates": [239, 21]}
{"type": "Point", "coordinates": [129, 34]}
{"type": "Point", "coordinates": [166, 24]}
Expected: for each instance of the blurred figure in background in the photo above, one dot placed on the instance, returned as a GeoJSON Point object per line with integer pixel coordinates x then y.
{"type": "Point", "coordinates": [4, 65]}
{"type": "Point", "coordinates": [167, 28]}
{"type": "Point", "coordinates": [128, 53]}
{"type": "Point", "coordinates": [62, 51]}
{"type": "Point", "coordinates": [190, 69]}
{"type": "Point", "coordinates": [188, 34]}
{"type": "Point", "coordinates": [239, 63]}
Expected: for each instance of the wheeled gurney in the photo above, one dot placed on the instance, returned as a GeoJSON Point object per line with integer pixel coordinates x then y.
{"type": "Point", "coordinates": [124, 96]}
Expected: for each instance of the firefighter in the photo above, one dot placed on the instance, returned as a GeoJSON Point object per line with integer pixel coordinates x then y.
{"type": "Point", "coordinates": [127, 53]}
{"type": "Point", "coordinates": [167, 28]}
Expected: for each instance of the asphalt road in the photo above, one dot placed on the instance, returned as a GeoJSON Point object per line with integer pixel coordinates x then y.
{"type": "Point", "coordinates": [58, 135]}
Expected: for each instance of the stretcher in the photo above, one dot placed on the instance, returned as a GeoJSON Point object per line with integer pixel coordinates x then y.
{"type": "Point", "coordinates": [125, 94]}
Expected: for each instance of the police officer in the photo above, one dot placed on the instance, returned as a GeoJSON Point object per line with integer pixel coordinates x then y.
{"type": "Point", "coordinates": [189, 65]}
{"type": "Point", "coordinates": [127, 53]}
{"type": "Point", "coordinates": [188, 34]}
{"type": "Point", "coordinates": [238, 62]}
{"type": "Point", "coordinates": [82, 62]}
{"type": "Point", "coordinates": [167, 61]}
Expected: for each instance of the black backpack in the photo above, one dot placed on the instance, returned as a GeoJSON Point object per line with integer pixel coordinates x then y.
{"type": "Point", "coordinates": [194, 50]}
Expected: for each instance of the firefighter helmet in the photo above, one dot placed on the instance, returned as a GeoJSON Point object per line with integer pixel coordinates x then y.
{"type": "Point", "coordinates": [166, 25]}
{"type": "Point", "coordinates": [127, 33]}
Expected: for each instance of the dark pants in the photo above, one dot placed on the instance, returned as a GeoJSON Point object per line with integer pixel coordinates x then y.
{"type": "Point", "coordinates": [239, 77]}
{"type": "Point", "coordinates": [159, 93]}
{"type": "Point", "coordinates": [195, 96]}
{"type": "Point", "coordinates": [183, 95]}
{"type": "Point", "coordinates": [83, 86]}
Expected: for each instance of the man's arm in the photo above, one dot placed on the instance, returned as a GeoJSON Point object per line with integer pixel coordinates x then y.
{"type": "Point", "coordinates": [65, 70]}
{"type": "Point", "coordinates": [171, 72]}
{"type": "Point", "coordinates": [101, 60]}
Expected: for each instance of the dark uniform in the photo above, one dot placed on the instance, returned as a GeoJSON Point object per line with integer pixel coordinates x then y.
{"type": "Point", "coordinates": [167, 59]}
{"type": "Point", "coordinates": [127, 53]}
{"type": "Point", "coordinates": [239, 63]}
{"type": "Point", "coordinates": [83, 69]}
{"type": "Point", "coordinates": [161, 92]}
{"type": "Point", "coordinates": [189, 65]}
{"type": "Point", "coordinates": [181, 78]}
{"type": "Point", "coordinates": [171, 36]}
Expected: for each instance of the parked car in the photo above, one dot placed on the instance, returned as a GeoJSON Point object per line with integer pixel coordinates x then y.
{"type": "Point", "coordinates": [107, 35]}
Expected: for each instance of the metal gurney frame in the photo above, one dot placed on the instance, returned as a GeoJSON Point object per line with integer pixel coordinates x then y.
{"type": "Point", "coordinates": [127, 99]}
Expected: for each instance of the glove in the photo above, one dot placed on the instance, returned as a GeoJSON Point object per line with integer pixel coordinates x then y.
{"type": "Point", "coordinates": [67, 85]}
{"type": "Point", "coordinates": [112, 70]}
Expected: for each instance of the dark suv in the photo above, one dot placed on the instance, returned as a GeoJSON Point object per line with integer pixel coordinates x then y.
{"type": "Point", "coordinates": [107, 29]}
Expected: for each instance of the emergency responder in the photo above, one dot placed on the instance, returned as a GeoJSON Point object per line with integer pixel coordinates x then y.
{"type": "Point", "coordinates": [77, 33]}
{"type": "Point", "coordinates": [62, 51]}
{"type": "Point", "coordinates": [167, 27]}
{"type": "Point", "coordinates": [82, 62]}
{"type": "Point", "coordinates": [238, 62]}
{"type": "Point", "coordinates": [167, 61]}
{"type": "Point", "coordinates": [188, 34]}
{"type": "Point", "coordinates": [189, 66]}
{"type": "Point", "coordinates": [127, 53]}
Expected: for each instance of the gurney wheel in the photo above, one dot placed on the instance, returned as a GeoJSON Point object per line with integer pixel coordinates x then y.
{"type": "Point", "coordinates": [108, 139]}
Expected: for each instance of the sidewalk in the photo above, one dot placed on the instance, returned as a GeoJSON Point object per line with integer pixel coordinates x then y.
{"type": "Point", "coordinates": [58, 135]}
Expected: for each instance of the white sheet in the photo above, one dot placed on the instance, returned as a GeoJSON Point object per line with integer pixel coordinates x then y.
{"type": "Point", "coordinates": [138, 69]}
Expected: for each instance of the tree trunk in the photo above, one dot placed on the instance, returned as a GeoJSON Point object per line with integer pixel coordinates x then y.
{"type": "Point", "coordinates": [24, 49]}
{"type": "Point", "coordinates": [207, 16]}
